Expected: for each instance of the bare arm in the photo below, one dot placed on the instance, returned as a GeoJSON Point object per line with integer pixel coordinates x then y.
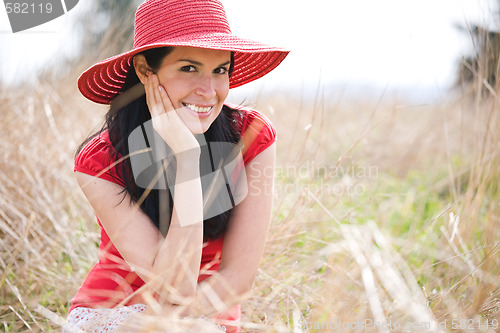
{"type": "Point", "coordinates": [243, 242]}
{"type": "Point", "coordinates": [143, 247]}
{"type": "Point", "coordinates": [171, 264]}
{"type": "Point", "coordinates": [171, 261]}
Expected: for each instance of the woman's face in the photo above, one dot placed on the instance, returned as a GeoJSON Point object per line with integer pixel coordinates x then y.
{"type": "Point", "coordinates": [197, 82]}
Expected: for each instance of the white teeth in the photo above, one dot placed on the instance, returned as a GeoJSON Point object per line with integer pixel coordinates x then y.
{"type": "Point", "coordinates": [198, 108]}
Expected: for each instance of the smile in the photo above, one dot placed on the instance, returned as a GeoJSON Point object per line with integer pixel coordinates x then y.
{"type": "Point", "coordinates": [198, 109]}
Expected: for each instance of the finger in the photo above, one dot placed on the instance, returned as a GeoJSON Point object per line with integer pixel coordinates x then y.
{"type": "Point", "coordinates": [165, 99]}
{"type": "Point", "coordinates": [159, 106]}
{"type": "Point", "coordinates": [155, 107]}
{"type": "Point", "coordinates": [149, 92]}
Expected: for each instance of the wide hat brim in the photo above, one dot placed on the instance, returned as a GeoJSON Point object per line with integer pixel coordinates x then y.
{"type": "Point", "coordinates": [102, 82]}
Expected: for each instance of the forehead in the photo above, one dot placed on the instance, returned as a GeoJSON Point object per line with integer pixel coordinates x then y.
{"type": "Point", "coordinates": [207, 56]}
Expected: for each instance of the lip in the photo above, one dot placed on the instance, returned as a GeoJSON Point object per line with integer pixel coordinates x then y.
{"type": "Point", "coordinates": [199, 114]}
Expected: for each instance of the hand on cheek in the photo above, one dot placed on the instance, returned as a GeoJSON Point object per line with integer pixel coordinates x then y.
{"type": "Point", "coordinates": [165, 120]}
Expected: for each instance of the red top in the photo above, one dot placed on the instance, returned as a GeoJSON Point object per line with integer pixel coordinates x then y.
{"type": "Point", "coordinates": [112, 280]}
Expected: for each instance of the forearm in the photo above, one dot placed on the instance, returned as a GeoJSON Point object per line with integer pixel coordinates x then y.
{"type": "Point", "coordinates": [219, 292]}
{"type": "Point", "coordinates": [178, 262]}
{"type": "Point", "coordinates": [176, 268]}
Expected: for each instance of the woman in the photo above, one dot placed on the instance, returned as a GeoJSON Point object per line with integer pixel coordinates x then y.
{"type": "Point", "coordinates": [181, 182]}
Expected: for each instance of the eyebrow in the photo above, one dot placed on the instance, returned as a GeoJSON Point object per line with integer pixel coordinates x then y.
{"type": "Point", "coordinates": [197, 63]}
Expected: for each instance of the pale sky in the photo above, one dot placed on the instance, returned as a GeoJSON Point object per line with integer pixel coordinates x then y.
{"type": "Point", "coordinates": [394, 44]}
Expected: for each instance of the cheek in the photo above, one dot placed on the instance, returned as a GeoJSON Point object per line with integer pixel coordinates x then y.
{"type": "Point", "coordinates": [223, 90]}
{"type": "Point", "coordinates": [176, 88]}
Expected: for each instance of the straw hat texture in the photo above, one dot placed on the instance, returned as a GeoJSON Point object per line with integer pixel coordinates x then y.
{"type": "Point", "coordinates": [195, 23]}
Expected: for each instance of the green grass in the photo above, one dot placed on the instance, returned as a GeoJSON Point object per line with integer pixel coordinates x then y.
{"type": "Point", "coordinates": [364, 224]}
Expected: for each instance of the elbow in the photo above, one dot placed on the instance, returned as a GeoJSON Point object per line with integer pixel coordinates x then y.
{"type": "Point", "coordinates": [239, 283]}
{"type": "Point", "coordinates": [245, 287]}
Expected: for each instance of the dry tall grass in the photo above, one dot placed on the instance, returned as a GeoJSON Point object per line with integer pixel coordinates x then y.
{"type": "Point", "coordinates": [404, 231]}
{"type": "Point", "coordinates": [384, 213]}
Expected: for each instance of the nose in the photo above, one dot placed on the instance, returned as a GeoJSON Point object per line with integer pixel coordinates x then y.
{"type": "Point", "coordinates": [205, 86]}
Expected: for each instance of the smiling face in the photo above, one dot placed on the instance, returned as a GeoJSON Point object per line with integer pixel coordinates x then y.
{"type": "Point", "coordinates": [197, 83]}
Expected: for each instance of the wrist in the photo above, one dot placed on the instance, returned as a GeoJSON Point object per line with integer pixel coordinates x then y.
{"type": "Point", "coordinates": [188, 164]}
{"type": "Point", "coordinates": [189, 155]}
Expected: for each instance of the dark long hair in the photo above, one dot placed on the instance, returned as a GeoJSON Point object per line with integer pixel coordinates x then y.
{"type": "Point", "coordinates": [123, 117]}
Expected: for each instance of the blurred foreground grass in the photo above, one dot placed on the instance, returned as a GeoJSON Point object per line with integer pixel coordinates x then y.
{"type": "Point", "coordinates": [385, 214]}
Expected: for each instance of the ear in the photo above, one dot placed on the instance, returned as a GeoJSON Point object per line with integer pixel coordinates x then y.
{"type": "Point", "coordinates": [141, 67]}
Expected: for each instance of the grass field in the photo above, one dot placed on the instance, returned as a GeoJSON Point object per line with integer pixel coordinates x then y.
{"type": "Point", "coordinates": [386, 214]}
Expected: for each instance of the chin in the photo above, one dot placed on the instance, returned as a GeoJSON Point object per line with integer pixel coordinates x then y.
{"type": "Point", "coordinates": [199, 131]}
{"type": "Point", "coordinates": [198, 128]}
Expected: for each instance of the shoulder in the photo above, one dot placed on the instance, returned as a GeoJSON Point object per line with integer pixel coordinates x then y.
{"type": "Point", "coordinates": [257, 131]}
{"type": "Point", "coordinates": [98, 158]}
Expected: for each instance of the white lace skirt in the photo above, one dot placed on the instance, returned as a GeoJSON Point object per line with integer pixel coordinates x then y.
{"type": "Point", "coordinates": [99, 320]}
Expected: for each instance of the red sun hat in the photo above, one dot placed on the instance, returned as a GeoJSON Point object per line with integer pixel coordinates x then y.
{"type": "Point", "coordinates": [194, 23]}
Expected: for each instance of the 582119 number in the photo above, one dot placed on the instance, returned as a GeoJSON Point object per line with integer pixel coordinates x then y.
{"type": "Point", "coordinates": [26, 8]}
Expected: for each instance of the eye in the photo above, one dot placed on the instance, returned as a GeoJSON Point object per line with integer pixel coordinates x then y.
{"type": "Point", "coordinates": [188, 68]}
{"type": "Point", "coordinates": [221, 70]}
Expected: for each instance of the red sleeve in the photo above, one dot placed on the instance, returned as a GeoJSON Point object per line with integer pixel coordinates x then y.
{"type": "Point", "coordinates": [257, 133]}
{"type": "Point", "coordinates": [98, 158]}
